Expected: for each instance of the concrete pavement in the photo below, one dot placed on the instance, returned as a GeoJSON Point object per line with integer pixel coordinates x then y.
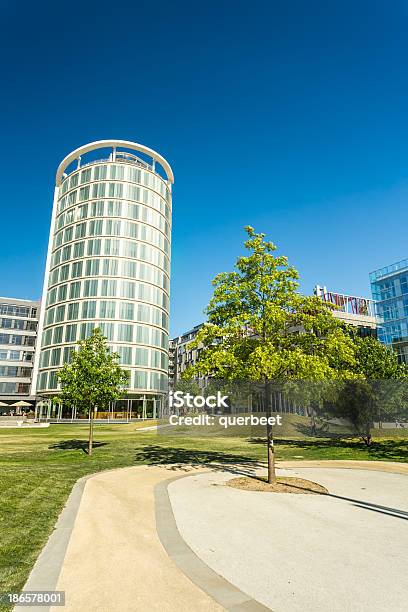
{"type": "Point", "coordinates": [207, 548]}
{"type": "Point", "coordinates": [303, 553]}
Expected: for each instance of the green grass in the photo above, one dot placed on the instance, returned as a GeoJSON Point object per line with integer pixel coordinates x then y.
{"type": "Point", "coordinates": [38, 468]}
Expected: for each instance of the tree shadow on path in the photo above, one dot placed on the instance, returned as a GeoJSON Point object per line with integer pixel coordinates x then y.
{"type": "Point", "coordinates": [174, 458]}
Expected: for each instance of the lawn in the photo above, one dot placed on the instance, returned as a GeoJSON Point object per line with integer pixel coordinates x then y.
{"type": "Point", "coordinates": [38, 468]}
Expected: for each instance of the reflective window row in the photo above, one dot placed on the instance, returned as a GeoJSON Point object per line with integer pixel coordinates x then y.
{"type": "Point", "coordinates": [116, 332]}
{"type": "Point", "coordinates": [106, 309]}
{"type": "Point", "coordinates": [124, 191]}
{"type": "Point", "coordinates": [17, 339]}
{"type": "Point", "coordinates": [124, 268]}
{"type": "Point", "coordinates": [18, 311]}
{"type": "Point", "coordinates": [113, 208]}
{"type": "Point", "coordinates": [112, 288]}
{"type": "Point", "coordinates": [115, 172]}
{"type": "Point", "coordinates": [14, 388]}
{"type": "Point", "coordinates": [116, 247]}
{"type": "Point", "coordinates": [138, 356]}
{"type": "Point", "coordinates": [14, 372]}
{"type": "Point", "coordinates": [109, 227]}
{"type": "Point", "coordinates": [140, 380]}
{"type": "Point", "coordinates": [12, 355]}
{"type": "Point", "coordinates": [20, 324]}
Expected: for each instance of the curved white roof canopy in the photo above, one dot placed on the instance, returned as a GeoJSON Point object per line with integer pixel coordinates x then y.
{"type": "Point", "coordinates": [102, 144]}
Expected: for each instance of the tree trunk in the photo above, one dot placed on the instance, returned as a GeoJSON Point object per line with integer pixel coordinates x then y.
{"type": "Point", "coordinates": [90, 439]}
{"type": "Point", "coordinates": [269, 436]}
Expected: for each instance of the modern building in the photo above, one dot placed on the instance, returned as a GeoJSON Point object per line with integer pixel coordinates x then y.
{"type": "Point", "coordinates": [181, 356]}
{"type": "Point", "coordinates": [18, 334]}
{"type": "Point", "coordinates": [351, 310]}
{"type": "Point", "coordinates": [389, 287]}
{"type": "Point", "coordinates": [108, 265]}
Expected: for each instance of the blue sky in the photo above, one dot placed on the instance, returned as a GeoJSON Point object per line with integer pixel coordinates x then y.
{"type": "Point", "coordinates": [288, 116]}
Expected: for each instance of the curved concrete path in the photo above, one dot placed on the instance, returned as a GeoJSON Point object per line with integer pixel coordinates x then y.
{"type": "Point", "coordinates": [109, 552]}
{"type": "Point", "coordinates": [341, 552]}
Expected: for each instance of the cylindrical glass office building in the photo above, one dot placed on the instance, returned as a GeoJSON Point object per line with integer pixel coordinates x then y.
{"type": "Point", "coordinates": [108, 263]}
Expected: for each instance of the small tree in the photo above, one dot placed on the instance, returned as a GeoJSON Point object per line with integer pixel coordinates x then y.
{"type": "Point", "coordinates": [92, 379]}
{"type": "Point", "coordinates": [261, 329]}
{"type": "Point", "coordinates": [379, 389]}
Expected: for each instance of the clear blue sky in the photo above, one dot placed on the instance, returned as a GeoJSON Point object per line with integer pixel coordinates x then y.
{"type": "Point", "coordinates": [289, 116]}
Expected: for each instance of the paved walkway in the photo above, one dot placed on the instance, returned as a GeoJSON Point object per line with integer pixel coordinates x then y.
{"type": "Point", "coordinates": [109, 552]}
{"type": "Point", "coordinates": [304, 553]}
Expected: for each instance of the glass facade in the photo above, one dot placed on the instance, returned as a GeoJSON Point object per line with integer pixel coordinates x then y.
{"type": "Point", "coordinates": [108, 266]}
{"type": "Point", "coordinates": [389, 288]}
{"type": "Point", "coordinates": [18, 332]}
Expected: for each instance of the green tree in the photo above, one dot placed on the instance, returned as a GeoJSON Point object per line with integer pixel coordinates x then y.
{"type": "Point", "coordinates": [261, 329]}
{"type": "Point", "coordinates": [92, 379]}
{"type": "Point", "coordinates": [379, 390]}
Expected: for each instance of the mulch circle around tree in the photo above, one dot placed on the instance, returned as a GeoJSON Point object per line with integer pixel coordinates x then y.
{"type": "Point", "coordinates": [283, 484]}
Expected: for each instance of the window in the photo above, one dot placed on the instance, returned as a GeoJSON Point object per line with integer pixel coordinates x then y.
{"type": "Point", "coordinates": [111, 246]}
{"type": "Point", "coordinates": [117, 172]}
{"type": "Point", "coordinates": [109, 288]}
{"type": "Point", "coordinates": [95, 227]}
{"type": "Point", "coordinates": [130, 249]}
{"type": "Point", "coordinates": [114, 209]}
{"type": "Point", "coordinates": [76, 269]}
{"type": "Point", "coordinates": [66, 253]}
{"type": "Point", "coordinates": [115, 190]}
{"type": "Point", "coordinates": [83, 211]}
{"type": "Point", "coordinates": [92, 267]}
{"type": "Point", "coordinates": [86, 175]}
{"type": "Point", "coordinates": [80, 230]}
{"type": "Point", "coordinates": [79, 249]}
{"type": "Point", "coordinates": [70, 332]}
{"type": "Point", "coordinates": [127, 290]}
{"type": "Point", "coordinates": [110, 267]}
{"type": "Point", "coordinates": [98, 190]}
{"type": "Point", "coordinates": [58, 331]}
{"type": "Point", "coordinates": [130, 229]}
{"type": "Point", "coordinates": [47, 336]}
{"type": "Point", "coordinates": [129, 269]}
{"type": "Point", "coordinates": [75, 290]}
{"type": "Point", "coordinates": [49, 317]}
{"type": "Point", "coordinates": [125, 354]}
{"type": "Point", "coordinates": [84, 193]}
{"type": "Point", "coordinates": [140, 380]}
{"type": "Point", "coordinates": [55, 356]}
{"type": "Point", "coordinates": [62, 293]}
{"type": "Point", "coordinates": [142, 334]}
{"type": "Point", "coordinates": [90, 288]}
{"type": "Point", "coordinates": [73, 311]}
{"type": "Point", "coordinates": [143, 313]}
{"type": "Point", "coordinates": [94, 247]}
{"type": "Point", "coordinates": [112, 227]}
{"type": "Point", "coordinates": [125, 332]}
{"type": "Point", "coordinates": [127, 310]}
{"type": "Point", "coordinates": [86, 330]}
{"type": "Point", "coordinates": [100, 173]}
{"type": "Point", "coordinates": [97, 209]}
{"type": "Point", "coordinates": [107, 310]}
{"type": "Point", "coordinates": [67, 354]}
{"type": "Point", "coordinates": [68, 234]}
{"type": "Point", "coordinates": [133, 211]}
{"type": "Point", "coordinates": [142, 356]}
{"type": "Point", "coordinates": [88, 310]}
{"type": "Point", "coordinates": [107, 330]}
{"type": "Point", "coordinates": [72, 198]}
{"type": "Point", "coordinates": [59, 313]}
{"type": "Point", "coordinates": [64, 275]}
